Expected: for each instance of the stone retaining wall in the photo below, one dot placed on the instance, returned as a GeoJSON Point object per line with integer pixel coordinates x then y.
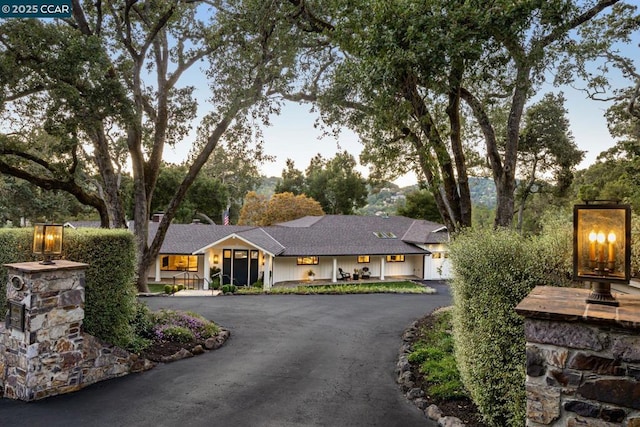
{"type": "Point", "coordinates": [583, 360]}
{"type": "Point", "coordinates": [51, 354]}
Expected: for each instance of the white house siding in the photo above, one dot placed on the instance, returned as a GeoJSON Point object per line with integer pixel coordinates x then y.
{"type": "Point", "coordinates": [438, 264]}
{"type": "Point", "coordinates": [286, 268]}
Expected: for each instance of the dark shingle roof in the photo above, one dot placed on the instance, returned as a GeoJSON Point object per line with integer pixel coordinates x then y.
{"type": "Point", "coordinates": [313, 236]}
{"type": "Point", "coordinates": [352, 235]}
{"type": "Point", "coordinates": [188, 238]}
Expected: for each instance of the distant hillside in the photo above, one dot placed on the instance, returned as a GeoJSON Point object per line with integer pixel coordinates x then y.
{"type": "Point", "coordinates": [483, 191]}
{"type": "Point", "coordinates": [386, 199]}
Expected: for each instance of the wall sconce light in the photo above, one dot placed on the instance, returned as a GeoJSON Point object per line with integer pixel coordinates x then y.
{"type": "Point", "coordinates": [215, 259]}
{"type": "Point", "coordinates": [47, 241]}
{"type": "Point", "coordinates": [602, 247]}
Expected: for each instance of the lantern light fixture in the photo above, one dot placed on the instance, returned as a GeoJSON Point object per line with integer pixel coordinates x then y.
{"type": "Point", "coordinates": [47, 241]}
{"type": "Point", "coordinates": [602, 247]}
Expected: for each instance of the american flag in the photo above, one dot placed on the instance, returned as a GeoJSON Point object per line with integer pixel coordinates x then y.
{"type": "Point", "coordinates": [225, 217]}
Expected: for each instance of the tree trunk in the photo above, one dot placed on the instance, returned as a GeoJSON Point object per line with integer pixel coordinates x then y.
{"type": "Point", "coordinates": [453, 112]}
{"type": "Point", "coordinates": [109, 178]}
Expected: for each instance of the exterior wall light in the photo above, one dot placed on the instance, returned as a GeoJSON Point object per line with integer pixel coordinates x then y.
{"type": "Point", "coordinates": [215, 259]}
{"type": "Point", "coordinates": [602, 247]}
{"type": "Point", "coordinates": [47, 241]}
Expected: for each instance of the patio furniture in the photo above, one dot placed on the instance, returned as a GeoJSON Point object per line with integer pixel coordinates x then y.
{"type": "Point", "coordinates": [343, 275]}
{"type": "Point", "coordinates": [365, 274]}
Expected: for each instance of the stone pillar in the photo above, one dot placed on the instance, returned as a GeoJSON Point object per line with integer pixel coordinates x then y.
{"type": "Point", "coordinates": [42, 338]}
{"type": "Point", "coordinates": [583, 360]}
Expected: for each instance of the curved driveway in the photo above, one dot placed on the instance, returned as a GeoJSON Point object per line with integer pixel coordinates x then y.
{"type": "Point", "coordinates": [291, 361]}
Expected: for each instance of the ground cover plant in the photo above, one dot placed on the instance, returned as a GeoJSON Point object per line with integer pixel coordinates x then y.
{"type": "Point", "coordinates": [406, 287]}
{"type": "Point", "coordinates": [162, 333]}
{"type": "Point", "coordinates": [435, 371]}
{"type": "Point", "coordinates": [434, 355]}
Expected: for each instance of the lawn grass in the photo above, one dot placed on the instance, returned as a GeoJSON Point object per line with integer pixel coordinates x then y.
{"type": "Point", "coordinates": [156, 287]}
{"type": "Point", "coordinates": [404, 287]}
{"type": "Point", "coordinates": [434, 353]}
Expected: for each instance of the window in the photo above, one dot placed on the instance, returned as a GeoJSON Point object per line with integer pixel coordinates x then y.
{"type": "Point", "coordinates": [307, 260]}
{"type": "Point", "coordinates": [395, 258]}
{"type": "Point", "coordinates": [436, 255]}
{"type": "Point", "coordinates": [363, 259]}
{"type": "Point", "coordinates": [179, 263]}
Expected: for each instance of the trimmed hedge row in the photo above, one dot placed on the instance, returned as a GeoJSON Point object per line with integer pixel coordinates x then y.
{"type": "Point", "coordinates": [493, 271]}
{"type": "Point", "coordinates": [110, 294]}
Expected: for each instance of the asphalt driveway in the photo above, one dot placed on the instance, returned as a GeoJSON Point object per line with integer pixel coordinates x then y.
{"type": "Point", "coordinates": [317, 360]}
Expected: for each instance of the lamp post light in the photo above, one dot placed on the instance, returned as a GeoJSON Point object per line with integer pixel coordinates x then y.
{"type": "Point", "coordinates": [47, 241]}
{"type": "Point", "coordinates": [602, 247]}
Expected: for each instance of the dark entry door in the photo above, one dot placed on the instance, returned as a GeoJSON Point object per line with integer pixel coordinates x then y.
{"type": "Point", "coordinates": [226, 266]}
{"type": "Point", "coordinates": [240, 267]}
{"type": "Point", "coordinates": [253, 277]}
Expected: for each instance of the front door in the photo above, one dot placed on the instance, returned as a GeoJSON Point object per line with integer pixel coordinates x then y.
{"type": "Point", "coordinates": [226, 266]}
{"type": "Point", "coordinates": [254, 267]}
{"type": "Point", "coordinates": [240, 267]}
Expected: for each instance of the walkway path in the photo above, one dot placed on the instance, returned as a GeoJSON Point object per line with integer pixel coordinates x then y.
{"type": "Point", "coordinates": [317, 360]}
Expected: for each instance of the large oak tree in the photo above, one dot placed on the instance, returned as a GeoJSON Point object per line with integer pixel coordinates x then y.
{"type": "Point", "coordinates": [112, 79]}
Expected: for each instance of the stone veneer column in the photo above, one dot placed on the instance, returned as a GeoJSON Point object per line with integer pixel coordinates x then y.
{"type": "Point", "coordinates": [583, 360]}
{"type": "Point", "coordinates": [46, 358]}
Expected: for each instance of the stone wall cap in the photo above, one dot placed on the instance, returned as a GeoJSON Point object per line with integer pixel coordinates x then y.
{"type": "Point", "coordinates": [35, 267]}
{"type": "Point", "coordinates": [569, 305]}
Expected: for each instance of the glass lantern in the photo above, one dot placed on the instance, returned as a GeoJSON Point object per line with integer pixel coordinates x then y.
{"type": "Point", "coordinates": [602, 245]}
{"type": "Point", "coordinates": [47, 241]}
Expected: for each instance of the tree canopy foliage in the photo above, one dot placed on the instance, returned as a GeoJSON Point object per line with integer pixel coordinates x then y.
{"type": "Point", "coordinates": [108, 84]}
{"type": "Point", "coordinates": [419, 80]}
{"type": "Point", "coordinates": [334, 183]}
{"type": "Point", "coordinates": [281, 207]}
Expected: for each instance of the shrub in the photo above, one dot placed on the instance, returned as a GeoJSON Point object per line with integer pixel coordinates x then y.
{"type": "Point", "coordinates": [173, 333]}
{"type": "Point", "coordinates": [493, 271]}
{"type": "Point", "coordinates": [199, 328]}
{"type": "Point", "coordinates": [142, 321]}
{"type": "Point", "coordinates": [168, 289]}
{"type": "Point", "coordinates": [180, 287]}
{"type": "Point", "coordinates": [229, 289]}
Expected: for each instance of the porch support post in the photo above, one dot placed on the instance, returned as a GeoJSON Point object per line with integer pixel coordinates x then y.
{"type": "Point", "coordinates": [157, 278]}
{"type": "Point", "coordinates": [334, 275]}
{"type": "Point", "coordinates": [207, 267]}
{"type": "Point", "coordinates": [427, 263]}
{"type": "Point", "coordinates": [382, 265]}
{"type": "Point", "coordinates": [268, 266]}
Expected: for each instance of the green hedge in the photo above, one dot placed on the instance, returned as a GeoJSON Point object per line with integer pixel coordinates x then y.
{"type": "Point", "coordinates": [493, 271]}
{"type": "Point", "coordinates": [110, 294]}
{"type": "Point", "coordinates": [15, 246]}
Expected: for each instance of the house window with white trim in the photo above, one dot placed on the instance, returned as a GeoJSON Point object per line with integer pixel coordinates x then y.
{"type": "Point", "coordinates": [395, 258]}
{"type": "Point", "coordinates": [179, 263]}
{"type": "Point", "coordinates": [364, 259]}
{"type": "Point", "coordinates": [308, 260]}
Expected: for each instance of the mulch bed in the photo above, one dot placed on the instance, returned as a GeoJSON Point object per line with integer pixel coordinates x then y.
{"type": "Point", "coordinates": [158, 351]}
{"type": "Point", "coordinates": [464, 408]}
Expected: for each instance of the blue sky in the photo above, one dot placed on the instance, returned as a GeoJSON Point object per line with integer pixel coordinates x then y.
{"type": "Point", "coordinates": [293, 135]}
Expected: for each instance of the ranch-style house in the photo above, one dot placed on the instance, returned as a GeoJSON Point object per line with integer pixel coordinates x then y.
{"type": "Point", "coordinates": [332, 246]}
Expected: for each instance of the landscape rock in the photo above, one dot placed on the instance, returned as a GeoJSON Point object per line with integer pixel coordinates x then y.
{"type": "Point", "coordinates": [450, 422]}
{"type": "Point", "coordinates": [433, 412]}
